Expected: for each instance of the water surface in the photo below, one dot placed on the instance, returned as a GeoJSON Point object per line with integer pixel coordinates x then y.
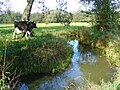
{"type": "Point", "coordinates": [84, 65]}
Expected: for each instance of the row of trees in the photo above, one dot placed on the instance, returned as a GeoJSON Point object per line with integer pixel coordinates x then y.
{"type": "Point", "coordinates": [51, 17]}
{"type": "Point", "coordinates": [60, 15]}
{"type": "Point", "coordinates": [104, 13]}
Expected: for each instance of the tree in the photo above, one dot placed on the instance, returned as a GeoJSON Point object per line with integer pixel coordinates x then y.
{"type": "Point", "coordinates": [62, 15]}
{"type": "Point", "coordinates": [82, 16]}
{"type": "Point", "coordinates": [4, 4]}
{"type": "Point", "coordinates": [27, 10]}
{"type": "Point", "coordinates": [38, 17]}
{"type": "Point", "coordinates": [50, 17]}
{"type": "Point", "coordinates": [10, 17]}
{"type": "Point", "coordinates": [105, 17]}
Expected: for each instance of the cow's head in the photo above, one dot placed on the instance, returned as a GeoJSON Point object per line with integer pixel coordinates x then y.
{"type": "Point", "coordinates": [35, 25]}
{"type": "Point", "coordinates": [32, 25]}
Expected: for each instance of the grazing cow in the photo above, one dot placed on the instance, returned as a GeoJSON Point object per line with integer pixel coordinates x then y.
{"type": "Point", "coordinates": [24, 27]}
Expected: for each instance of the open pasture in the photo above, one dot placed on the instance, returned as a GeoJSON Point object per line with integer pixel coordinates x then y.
{"type": "Point", "coordinates": [6, 30]}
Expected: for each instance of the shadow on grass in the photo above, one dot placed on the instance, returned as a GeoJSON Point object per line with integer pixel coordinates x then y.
{"type": "Point", "coordinates": [9, 29]}
{"type": "Point", "coordinates": [57, 28]}
{"type": "Point", "coordinates": [5, 32]}
{"type": "Point", "coordinates": [6, 27]}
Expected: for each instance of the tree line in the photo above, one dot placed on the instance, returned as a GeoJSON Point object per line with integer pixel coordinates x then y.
{"type": "Point", "coordinates": [103, 14]}
{"type": "Point", "coordinates": [49, 17]}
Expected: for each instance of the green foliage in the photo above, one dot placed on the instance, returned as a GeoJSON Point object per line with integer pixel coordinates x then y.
{"type": "Point", "coordinates": [83, 34]}
{"type": "Point", "coordinates": [40, 55]}
{"type": "Point", "coordinates": [38, 17]}
{"type": "Point", "coordinates": [106, 17]}
{"type": "Point", "coordinates": [50, 17]}
{"type": "Point", "coordinates": [113, 52]}
{"type": "Point", "coordinates": [80, 16]}
{"type": "Point", "coordinates": [64, 17]}
{"type": "Point", "coordinates": [107, 20]}
{"type": "Point", "coordinates": [10, 17]}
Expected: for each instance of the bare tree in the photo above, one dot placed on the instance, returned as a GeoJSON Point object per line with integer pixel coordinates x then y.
{"type": "Point", "coordinates": [27, 10]}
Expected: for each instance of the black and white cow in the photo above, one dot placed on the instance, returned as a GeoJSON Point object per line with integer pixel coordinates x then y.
{"type": "Point", "coordinates": [24, 27]}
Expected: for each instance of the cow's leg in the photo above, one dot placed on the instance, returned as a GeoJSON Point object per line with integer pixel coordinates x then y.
{"type": "Point", "coordinates": [32, 34]}
{"type": "Point", "coordinates": [24, 34]}
{"type": "Point", "coordinates": [27, 35]}
{"type": "Point", "coordinates": [14, 33]}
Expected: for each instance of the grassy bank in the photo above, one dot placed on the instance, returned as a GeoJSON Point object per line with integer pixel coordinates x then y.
{"type": "Point", "coordinates": [47, 52]}
{"type": "Point", "coordinates": [44, 53]}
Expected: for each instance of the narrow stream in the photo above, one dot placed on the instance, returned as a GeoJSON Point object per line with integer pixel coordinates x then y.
{"type": "Point", "coordinates": [83, 65]}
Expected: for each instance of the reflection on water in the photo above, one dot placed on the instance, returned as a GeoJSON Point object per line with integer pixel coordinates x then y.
{"type": "Point", "coordinates": [83, 65]}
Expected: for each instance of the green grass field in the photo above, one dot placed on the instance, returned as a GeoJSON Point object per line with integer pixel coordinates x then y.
{"type": "Point", "coordinates": [6, 30]}
{"type": "Point", "coordinates": [48, 25]}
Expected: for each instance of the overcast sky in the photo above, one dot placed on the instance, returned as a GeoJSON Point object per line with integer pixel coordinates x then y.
{"type": "Point", "coordinates": [19, 5]}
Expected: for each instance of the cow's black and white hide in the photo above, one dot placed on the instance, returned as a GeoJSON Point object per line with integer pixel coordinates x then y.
{"type": "Point", "coordinates": [24, 27]}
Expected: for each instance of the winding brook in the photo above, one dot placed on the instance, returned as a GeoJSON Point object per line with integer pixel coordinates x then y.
{"type": "Point", "coordinates": [84, 65]}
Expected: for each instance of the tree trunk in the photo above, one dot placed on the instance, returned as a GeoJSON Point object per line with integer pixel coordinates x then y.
{"type": "Point", "coordinates": [27, 10]}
